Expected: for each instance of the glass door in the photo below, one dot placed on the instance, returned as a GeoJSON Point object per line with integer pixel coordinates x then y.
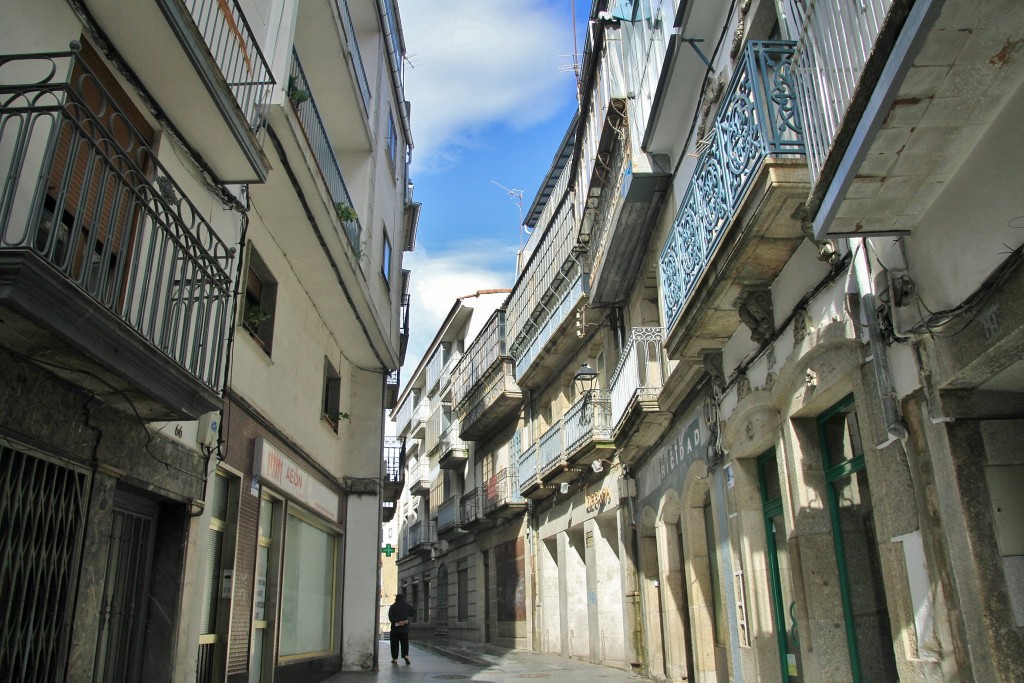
{"type": "Point", "coordinates": [261, 662]}
{"type": "Point", "coordinates": [779, 571]}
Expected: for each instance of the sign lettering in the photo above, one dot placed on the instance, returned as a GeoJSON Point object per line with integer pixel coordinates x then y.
{"type": "Point", "coordinates": [276, 469]}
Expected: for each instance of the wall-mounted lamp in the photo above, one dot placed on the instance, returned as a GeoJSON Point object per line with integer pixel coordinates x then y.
{"type": "Point", "coordinates": [598, 467]}
{"type": "Point", "coordinates": [586, 379]}
{"type": "Point", "coordinates": [563, 488]}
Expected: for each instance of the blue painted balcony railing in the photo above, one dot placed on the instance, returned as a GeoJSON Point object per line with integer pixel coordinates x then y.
{"type": "Point", "coordinates": [525, 353]}
{"type": "Point", "coordinates": [758, 119]}
{"type": "Point", "coordinates": [551, 448]}
{"type": "Point", "coordinates": [528, 468]}
{"type": "Point", "coordinates": [323, 152]}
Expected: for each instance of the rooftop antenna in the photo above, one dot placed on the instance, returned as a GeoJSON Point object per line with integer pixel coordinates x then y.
{"type": "Point", "coordinates": [517, 197]}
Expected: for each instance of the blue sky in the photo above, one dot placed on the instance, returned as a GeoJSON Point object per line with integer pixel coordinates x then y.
{"type": "Point", "coordinates": [492, 94]}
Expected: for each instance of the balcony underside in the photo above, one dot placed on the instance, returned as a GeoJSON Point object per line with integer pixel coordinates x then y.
{"type": "Point", "coordinates": [479, 425]}
{"type": "Point", "coordinates": [392, 491]}
{"type": "Point", "coordinates": [388, 513]}
{"type": "Point", "coordinates": [478, 523]}
{"type": "Point", "coordinates": [626, 242]}
{"type": "Point", "coordinates": [160, 42]}
{"type": "Point", "coordinates": [422, 548]}
{"type": "Point", "coordinates": [590, 450]}
{"type": "Point", "coordinates": [536, 491]}
{"type": "Point", "coordinates": [643, 423]}
{"type": "Point", "coordinates": [451, 531]}
{"type": "Point", "coordinates": [44, 318]}
{"type": "Point", "coordinates": [419, 487]}
{"type": "Point", "coordinates": [754, 249]}
{"type": "Point", "coordinates": [453, 458]}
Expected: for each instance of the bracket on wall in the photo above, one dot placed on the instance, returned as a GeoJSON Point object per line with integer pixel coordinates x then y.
{"type": "Point", "coordinates": [692, 42]}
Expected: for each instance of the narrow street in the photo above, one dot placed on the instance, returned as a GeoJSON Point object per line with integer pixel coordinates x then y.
{"type": "Point", "coordinates": [465, 661]}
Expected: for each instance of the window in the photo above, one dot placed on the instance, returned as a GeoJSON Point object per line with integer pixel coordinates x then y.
{"type": "Point", "coordinates": [385, 261]}
{"type": "Point", "coordinates": [219, 553]}
{"type": "Point", "coordinates": [260, 301]}
{"type": "Point", "coordinates": [392, 140]}
{"type": "Point", "coordinates": [307, 596]}
{"type": "Point", "coordinates": [331, 405]}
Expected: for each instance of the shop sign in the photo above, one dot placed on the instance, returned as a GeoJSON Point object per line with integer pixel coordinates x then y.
{"type": "Point", "coordinates": [684, 445]}
{"type": "Point", "coordinates": [278, 470]}
{"type": "Point", "coordinates": [597, 499]}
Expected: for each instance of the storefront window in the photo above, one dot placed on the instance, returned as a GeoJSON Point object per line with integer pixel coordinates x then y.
{"type": "Point", "coordinates": [307, 596]}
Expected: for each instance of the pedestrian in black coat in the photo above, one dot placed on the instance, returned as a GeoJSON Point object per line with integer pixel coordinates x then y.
{"type": "Point", "coordinates": [399, 615]}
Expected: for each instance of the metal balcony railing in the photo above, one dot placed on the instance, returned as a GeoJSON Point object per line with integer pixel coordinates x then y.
{"type": "Point", "coordinates": [435, 366]}
{"type": "Point", "coordinates": [403, 316]}
{"type": "Point", "coordinates": [353, 51]}
{"type": "Point", "coordinates": [758, 118]}
{"type": "Point", "coordinates": [448, 514]}
{"type": "Point", "coordinates": [422, 532]}
{"type": "Point", "coordinates": [84, 190]}
{"type": "Point", "coordinates": [485, 350]}
{"type": "Point", "coordinates": [437, 423]}
{"type": "Point", "coordinates": [405, 412]}
{"type": "Point", "coordinates": [588, 419]}
{"type": "Point", "coordinates": [419, 472]}
{"type": "Point", "coordinates": [834, 41]}
{"type": "Point", "coordinates": [312, 124]}
{"type": "Point", "coordinates": [236, 51]}
{"type": "Point", "coordinates": [394, 452]}
{"type": "Point", "coordinates": [551, 448]}
{"type": "Point", "coordinates": [471, 506]}
{"type": "Point", "coordinates": [527, 466]}
{"type": "Point", "coordinates": [450, 440]}
{"type": "Point", "coordinates": [502, 489]}
{"type": "Point", "coordinates": [534, 341]}
{"type": "Point", "coordinates": [640, 371]}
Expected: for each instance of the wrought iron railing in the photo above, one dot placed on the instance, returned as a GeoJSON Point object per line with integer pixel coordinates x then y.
{"type": "Point", "coordinates": [312, 124]}
{"type": "Point", "coordinates": [485, 350]}
{"type": "Point", "coordinates": [588, 419]}
{"type": "Point", "coordinates": [353, 51]}
{"type": "Point", "coordinates": [236, 51]}
{"type": "Point", "coordinates": [758, 118]}
{"type": "Point", "coordinates": [609, 175]}
{"type": "Point", "coordinates": [471, 506]}
{"type": "Point", "coordinates": [640, 371]}
{"type": "Point", "coordinates": [502, 489]}
{"type": "Point", "coordinates": [448, 514]}
{"type": "Point", "coordinates": [551, 448]}
{"type": "Point", "coordinates": [403, 316]}
{"type": "Point", "coordinates": [527, 466]}
{"type": "Point", "coordinates": [497, 381]}
{"type": "Point", "coordinates": [83, 189]}
{"type": "Point", "coordinates": [834, 41]}
{"type": "Point", "coordinates": [394, 452]}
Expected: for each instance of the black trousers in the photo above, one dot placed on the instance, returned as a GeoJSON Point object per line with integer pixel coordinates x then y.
{"type": "Point", "coordinates": [399, 639]}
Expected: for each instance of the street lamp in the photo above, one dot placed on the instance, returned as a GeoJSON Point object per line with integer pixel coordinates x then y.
{"type": "Point", "coordinates": [586, 379]}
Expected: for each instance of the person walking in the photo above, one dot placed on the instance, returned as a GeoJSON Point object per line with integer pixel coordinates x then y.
{"type": "Point", "coordinates": [399, 615]}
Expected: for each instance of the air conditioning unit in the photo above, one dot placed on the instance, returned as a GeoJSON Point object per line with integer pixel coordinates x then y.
{"type": "Point", "coordinates": [208, 431]}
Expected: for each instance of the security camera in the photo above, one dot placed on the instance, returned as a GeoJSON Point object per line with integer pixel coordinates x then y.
{"type": "Point", "coordinates": [563, 488]}
{"type": "Point", "coordinates": [597, 466]}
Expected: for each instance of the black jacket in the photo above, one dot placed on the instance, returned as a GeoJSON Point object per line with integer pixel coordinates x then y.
{"type": "Point", "coordinates": [399, 615]}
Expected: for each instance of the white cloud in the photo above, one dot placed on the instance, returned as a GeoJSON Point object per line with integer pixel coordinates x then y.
{"type": "Point", "coordinates": [438, 279]}
{"type": "Point", "coordinates": [481, 62]}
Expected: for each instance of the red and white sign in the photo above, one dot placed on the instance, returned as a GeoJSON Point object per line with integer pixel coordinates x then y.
{"type": "Point", "coordinates": [275, 468]}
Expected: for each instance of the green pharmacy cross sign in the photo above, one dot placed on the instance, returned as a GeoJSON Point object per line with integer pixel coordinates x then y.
{"type": "Point", "coordinates": [388, 550]}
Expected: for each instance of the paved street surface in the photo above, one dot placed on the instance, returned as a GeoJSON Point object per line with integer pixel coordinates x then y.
{"type": "Point", "coordinates": [465, 662]}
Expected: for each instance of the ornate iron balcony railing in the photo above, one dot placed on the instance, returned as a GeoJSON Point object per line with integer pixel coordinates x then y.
{"type": "Point", "coordinates": [758, 118]}
{"type": "Point", "coordinates": [471, 506]}
{"type": "Point", "coordinates": [353, 51]}
{"type": "Point", "coordinates": [502, 489]}
{"type": "Point", "coordinates": [236, 51]}
{"type": "Point", "coordinates": [394, 452]}
{"type": "Point", "coordinates": [640, 371]}
{"type": "Point", "coordinates": [83, 189]}
{"type": "Point", "coordinates": [485, 350]}
{"type": "Point", "coordinates": [834, 41]}
{"type": "Point", "coordinates": [551, 448]}
{"type": "Point", "coordinates": [588, 419]}
{"type": "Point", "coordinates": [316, 135]}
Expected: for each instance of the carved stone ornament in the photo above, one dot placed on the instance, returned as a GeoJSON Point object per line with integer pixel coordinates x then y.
{"type": "Point", "coordinates": [742, 387]}
{"type": "Point", "coordinates": [754, 306]}
{"type": "Point", "coordinates": [712, 361]}
{"type": "Point", "coordinates": [769, 381]}
{"type": "Point", "coordinates": [802, 325]}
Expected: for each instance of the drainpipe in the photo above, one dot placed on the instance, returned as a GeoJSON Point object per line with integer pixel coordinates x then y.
{"type": "Point", "coordinates": [895, 429]}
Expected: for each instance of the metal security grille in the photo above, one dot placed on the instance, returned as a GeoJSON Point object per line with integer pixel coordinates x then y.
{"type": "Point", "coordinates": [123, 616]}
{"type": "Point", "coordinates": [42, 513]}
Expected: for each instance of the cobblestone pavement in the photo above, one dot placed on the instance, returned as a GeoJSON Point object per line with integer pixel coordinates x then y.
{"type": "Point", "coordinates": [437, 663]}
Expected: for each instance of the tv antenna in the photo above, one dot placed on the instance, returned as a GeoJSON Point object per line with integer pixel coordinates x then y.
{"type": "Point", "coordinates": [517, 197]}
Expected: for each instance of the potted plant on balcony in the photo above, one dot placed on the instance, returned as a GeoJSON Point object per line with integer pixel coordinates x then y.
{"type": "Point", "coordinates": [296, 94]}
{"type": "Point", "coordinates": [345, 212]}
{"type": "Point", "coordinates": [253, 316]}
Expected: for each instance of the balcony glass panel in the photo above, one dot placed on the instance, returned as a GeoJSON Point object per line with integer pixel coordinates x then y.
{"type": "Point", "coordinates": [528, 467]}
{"type": "Point", "coordinates": [237, 53]}
{"type": "Point", "coordinates": [532, 343]}
{"type": "Point", "coordinates": [640, 371]}
{"type": "Point", "coordinates": [758, 118]}
{"type": "Point", "coordinates": [551, 449]}
{"type": "Point", "coordinates": [502, 489]}
{"type": "Point", "coordinates": [316, 135]}
{"type": "Point", "coordinates": [471, 506]}
{"type": "Point", "coordinates": [84, 191]}
{"type": "Point", "coordinates": [834, 41]}
{"type": "Point", "coordinates": [485, 350]}
{"type": "Point", "coordinates": [588, 419]}
{"type": "Point", "coordinates": [450, 440]}
{"type": "Point", "coordinates": [448, 514]}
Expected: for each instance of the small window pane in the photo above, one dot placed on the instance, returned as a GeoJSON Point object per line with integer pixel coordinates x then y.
{"type": "Point", "coordinates": [841, 434]}
{"type": "Point", "coordinates": [307, 592]}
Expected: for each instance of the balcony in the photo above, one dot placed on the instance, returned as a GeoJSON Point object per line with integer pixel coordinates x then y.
{"type": "Point", "coordinates": [389, 508]}
{"type": "Point", "coordinates": [587, 426]}
{"type": "Point", "coordinates": [551, 451]}
{"type": "Point", "coordinates": [471, 510]}
{"type": "Point", "coordinates": [106, 264]}
{"type": "Point", "coordinates": [419, 478]}
{"type": "Point", "coordinates": [737, 221]}
{"type": "Point", "coordinates": [449, 519]}
{"type": "Point", "coordinates": [211, 79]}
{"type": "Point", "coordinates": [410, 414]}
{"type": "Point", "coordinates": [300, 95]}
{"type": "Point", "coordinates": [549, 336]}
{"type": "Point", "coordinates": [501, 496]}
{"type": "Point", "coordinates": [529, 473]}
{"type": "Point", "coordinates": [636, 417]}
{"type": "Point", "coordinates": [485, 392]}
{"type": "Point", "coordinates": [437, 424]}
{"type": "Point", "coordinates": [439, 368]}
{"type": "Point", "coordinates": [403, 319]}
{"type": "Point", "coordinates": [422, 537]}
{"type": "Point", "coordinates": [454, 451]}
{"type": "Point", "coordinates": [394, 468]}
